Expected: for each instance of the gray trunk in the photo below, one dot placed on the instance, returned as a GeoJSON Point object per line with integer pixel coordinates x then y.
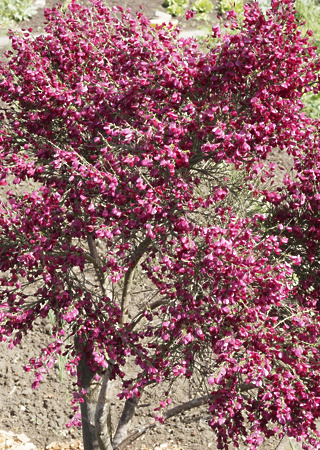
{"type": "Point", "coordinates": [88, 408]}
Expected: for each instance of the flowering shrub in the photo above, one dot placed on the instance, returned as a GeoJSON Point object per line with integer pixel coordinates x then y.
{"type": "Point", "coordinates": [139, 148]}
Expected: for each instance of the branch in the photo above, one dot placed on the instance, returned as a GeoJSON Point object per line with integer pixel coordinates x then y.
{"type": "Point", "coordinates": [195, 403]}
{"type": "Point", "coordinates": [95, 261]}
{"type": "Point", "coordinates": [125, 300]}
{"type": "Point", "coordinates": [102, 417]}
{"type": "Point", "coordinates": [151, 307]}
{"type": "Point", "coordinates": [126, 416]}
{"type": "Point", "coordinates": [166, 415]}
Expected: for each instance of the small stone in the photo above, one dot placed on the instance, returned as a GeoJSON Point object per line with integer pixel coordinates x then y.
{"type": "Point", "coordinates": [27, 392]}
{"type": "Point", "coordinates": [162, 15]}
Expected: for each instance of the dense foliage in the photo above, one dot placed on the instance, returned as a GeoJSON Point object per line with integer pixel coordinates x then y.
{"type": "Point", "coordinates": [134, 155]}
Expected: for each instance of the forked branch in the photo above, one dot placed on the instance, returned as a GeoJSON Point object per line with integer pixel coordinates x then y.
{"type": "Point", "coordinates": [166, 415]}
{"type": "Point", "coordinates": [195, 403]}
{"type": "Point", "coordinates": [150, 307]}
{"type": "Point", "coordinates": [126, 416]}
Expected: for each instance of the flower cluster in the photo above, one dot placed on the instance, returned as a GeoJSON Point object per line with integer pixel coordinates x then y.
{"type": "Point", "coordinates": [126, 150]}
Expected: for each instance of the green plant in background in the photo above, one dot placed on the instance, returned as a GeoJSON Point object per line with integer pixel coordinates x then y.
{"type": "Point", "coordinates": [237, 6]}
{"type": "Point", "coordinates": [15, 11]}
{"type": "Point", "coordinates": [202, 8]}
{"type": "Point", "coordinates": [228, 5]}
{"type": "Point", "coordinates": [312, 105]}
{"type": "Point", "coordinates": [309, 10]}
{"type": "Point", "coordinates": [52, 319]}
{"type": "Point", "coordinates": [179, 7]}
{"type": "Point", "coordinates": [176, 7]}
{"type": "Point", "coordinates": [61, 358]}
{"type": "Point", "coordinates": [62, 361]}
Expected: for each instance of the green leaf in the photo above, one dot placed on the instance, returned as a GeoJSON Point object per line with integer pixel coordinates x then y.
{"type": "Point", "coordinates": [202, 6]}
{"type": "Point", "coordinates": [17, 10]}
{"type": "Point", "coordinates": [228, 5]}
{"type": "Point", "coordinates": [176, 7]}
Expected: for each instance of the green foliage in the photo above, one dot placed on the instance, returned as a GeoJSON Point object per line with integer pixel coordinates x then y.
{"type": "Point", "coordinates": [241, 196]}
{"type": "Point", "coordinates": [228, 5]}
{"type": "Point", "coordinates": [176, 7]}
{"type": "Point", "coordinates": [202, 8]}
{"type": "Point", "coordinates": [309, 10]}
{"type": "Point", "coordinates": [62, 361]}
{"type": "Point", "coordinates": [14, 11]}
{"type": "Point", "coordinates": [52, 319]}
{"type": "Point", "coordinates": [312, 104]}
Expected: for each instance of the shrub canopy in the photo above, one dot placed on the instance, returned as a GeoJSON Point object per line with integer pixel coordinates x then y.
{"type": "Point", "coordinates": [144, 159]}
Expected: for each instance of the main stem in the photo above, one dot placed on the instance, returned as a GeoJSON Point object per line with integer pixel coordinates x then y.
{"type": "Point", "coordinates": [96, 408]}
{"type": "Point", "coordinates": [88, 407]}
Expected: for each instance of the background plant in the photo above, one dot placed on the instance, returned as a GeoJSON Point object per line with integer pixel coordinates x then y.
{"type": "Point", "coordinates": [176, 7]}
{"type": "Point", "coordinates": [309, 11]}
{"type": "Point", "coordinates": [228, 5]}
{"type": "Point", "coordinates": [202, 8]}
{"type": "Point", "coordinates": [15, 11]}
{"type": "Point", "coordinates": [179, 7]}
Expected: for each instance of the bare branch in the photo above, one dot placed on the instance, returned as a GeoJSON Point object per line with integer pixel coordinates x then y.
{"type": "Point", "coordinates": [125, 300]}
{"type": "Point", "coordinates": [195, 403]}
{"type": "Point", "coordinates": [126, 416]}
{"type": "Point", "coordinates": [151, 307]}
{"type": "Point", "coordinates": [103, 414]}
{"type": "Point", "coordinates": [96, 261]}
{"type": "Point", "coordinates": [166, 415]}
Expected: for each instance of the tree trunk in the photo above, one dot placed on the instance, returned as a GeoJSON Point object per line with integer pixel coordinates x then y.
{"type": "Point", "coordinates": [88, 408]}
{"type": "Point", "coordinates": [96, 409]}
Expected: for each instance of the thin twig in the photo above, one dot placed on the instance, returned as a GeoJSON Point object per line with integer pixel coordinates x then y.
{"type": "Point", "coordinates": [151, 307]}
